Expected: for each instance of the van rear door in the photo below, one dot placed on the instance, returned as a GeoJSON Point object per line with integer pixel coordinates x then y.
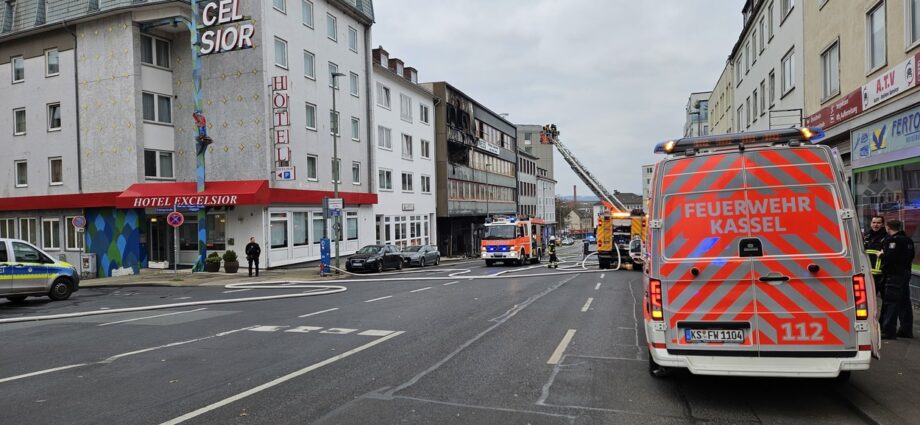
{"type": "Point", "coordinates": [707, 287]}
{"type": "Point", "coordinates": [804, 270]}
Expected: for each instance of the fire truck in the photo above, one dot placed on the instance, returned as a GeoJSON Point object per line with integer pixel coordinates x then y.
{"type": "Point", "coordinates": [516, 240]}
{"type": "Point", "coordinates": [619, 231]}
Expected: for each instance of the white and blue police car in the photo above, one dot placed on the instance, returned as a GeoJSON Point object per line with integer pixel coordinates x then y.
{"type": "Point", "coordinates": [26, 271]}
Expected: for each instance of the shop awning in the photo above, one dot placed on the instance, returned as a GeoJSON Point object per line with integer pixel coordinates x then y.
{"type": "Point", "coordinates": [217, 193]}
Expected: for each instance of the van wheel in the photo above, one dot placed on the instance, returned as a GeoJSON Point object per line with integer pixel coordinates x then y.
{"type": "Point", "coordinates": [522, 259]}
{"type": "Point", "coordinates": [657, 370]}
{"type": "Point", "coordinates": [60, 290]}
{"type": "Point", "coordinates": [16, 298]}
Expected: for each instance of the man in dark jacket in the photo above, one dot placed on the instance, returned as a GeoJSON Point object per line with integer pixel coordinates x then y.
{"type": "Point", "coordinates": [253, 251]}
{"type": "Point", "coordinates": [873, 242]}
{"type": "Point", "coordinates": [897, 256]}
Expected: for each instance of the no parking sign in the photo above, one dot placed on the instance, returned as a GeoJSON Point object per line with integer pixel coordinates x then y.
{"type": "Point", "coordinates": [175, 219]}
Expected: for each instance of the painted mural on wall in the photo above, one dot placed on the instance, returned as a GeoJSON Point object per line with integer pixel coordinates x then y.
{"type": "Point", "coordinates": [114, 235]}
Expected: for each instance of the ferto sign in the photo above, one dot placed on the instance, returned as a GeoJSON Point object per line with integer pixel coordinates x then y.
{"type": "Point", "coordinates": [224, 38]}
{"type": "Point", "coordinates": [891, 139]}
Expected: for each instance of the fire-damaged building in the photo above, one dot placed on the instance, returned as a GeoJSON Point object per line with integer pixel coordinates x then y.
{"type": "Point", "coordinates": [476, 169]}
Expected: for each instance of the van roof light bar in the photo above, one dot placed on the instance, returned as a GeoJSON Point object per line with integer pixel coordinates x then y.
{"type": "Point", "coordinates": [694, 144]}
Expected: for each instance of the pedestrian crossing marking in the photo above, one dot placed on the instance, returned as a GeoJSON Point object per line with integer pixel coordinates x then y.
{"type": "Point", "coordinates": [338, 331]}
{"type": "Point", "coordinates": [319, 329]}
{"type": "Point", "coordinates": [304, 329]}
{"type": "Point", "coordinates": [374, 332]}
{"type": "Point", "coordinates": [266, 328]}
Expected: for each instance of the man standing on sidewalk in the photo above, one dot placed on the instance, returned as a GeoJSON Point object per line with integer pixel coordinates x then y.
{"type": "Point", "coordinates": [897, 256]}
{"type": "Point", "coordinates": [253, 251]}
{"type": "Point", "coordinates": [873, 242]}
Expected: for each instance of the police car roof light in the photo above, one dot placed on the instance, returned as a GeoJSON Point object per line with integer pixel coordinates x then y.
{"type": "Point", "coordinates": [695, 144]}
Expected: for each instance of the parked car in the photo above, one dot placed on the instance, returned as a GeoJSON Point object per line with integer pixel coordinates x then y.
{"type": "Point", "coordinates": [420, 255]}
{"type": "Point", "coordinates": [374, 258]}
{"type": "Point", "coordinates": [30, 272]}
{"type": "Point", "coordinates": [568, 241]}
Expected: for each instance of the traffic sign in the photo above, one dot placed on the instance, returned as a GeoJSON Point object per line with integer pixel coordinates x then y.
{"type": "Point", "coordinates": [285, 173]}
{"type": "Point", "coordinates": [175, 219]}
{"type": "Point", "coordinates": [336, 203]}
{"type": "Point", "coordinates": [79, 222]}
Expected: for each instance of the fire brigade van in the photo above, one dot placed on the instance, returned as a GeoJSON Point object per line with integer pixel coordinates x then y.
{"type": "Point", "coordinates": [513, 240]}
{"type": "Point", "coordinates": [755, 261]}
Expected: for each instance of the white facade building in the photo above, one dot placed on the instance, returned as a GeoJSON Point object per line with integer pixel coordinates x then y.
{"type": "Point", "coordinates": [697, 119]}
{"type": "Point", "coordinates": [767, 60]}
{"type": "Point", "coordinates": [646, 184]}
{"type": "Point", "coordinates": [404, 149]}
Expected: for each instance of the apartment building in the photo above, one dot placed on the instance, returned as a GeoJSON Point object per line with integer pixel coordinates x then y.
{"type": "Point", "coordinates": [530, 143]}
{"type": "Point", "coordinates": [404, 154]}
{"type": "Point", "coordinates": [697, 120]}
{"type": "Point", "coordinates": [721, 103]}
{"type": "Point", "coordinates": [100, 97]}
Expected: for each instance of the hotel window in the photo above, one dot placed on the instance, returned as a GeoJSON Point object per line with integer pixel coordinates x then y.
{"type": "Point", "coordinates": [307, 12]}
{"type": "Point", "coordinates": [278, 229]}
{"type": "Point", "coordinates": [830, 66]}
{"type": "Point", "coordinates": [281, 53]}
{"type": "Point", "coordinates": [18, 65]}
{"type": "Point", "coordinates": [405, 108]}
{"type": "Point", "coordinates": [770, 20]}
{"type": "Point", "coordinates": [355, 173]}
{"type": "Point", "coordinates": [384, 138]}
{"type": "Point", "coordinates": [351, 225]}
{"type": "Point", "coordinates": [331, 27]}
{"type": "Point", "coordinates": [875, 37]}
{"type": "Point", "coordinates": [407, 182]}
{"type": "Point", "coordinates": [747, 57]}
{"type": "Point", "coordinates": [785, 9]}
{"type": "Point", "coordinates": [336, 167]}
{"type": "Point", "coordinates": [353, 84]}
{"type": "Point", "coordinates": [426, 184]}
{"type": "Point", "coordinates": [788, 72]}
{"type": "Point", "coordinates": [28, 230]}
{"type": "Point", "coordinates": [423, 114]}
{"type": "Point", "coordinates": [333, 69]}
{"type": "Point", "coordinates": [406, 146]}
{"type": "Point", "coordinates": [385, 179]}
{"type": "Point", "coordinates": [51, 233]}
{"type": "Point", "coordinates": [154, 51]}
{"type": "Point", "coordinates": [54, 116]}
{"type": "Point", "coordinates": [318, 228]}
{"type": "Point", "coordinates": [740, 118]}
{"type": "Point", "coordinates": [353, 39]}
{"type": "Point", "coordinates": [311, 116]}
{"type": "Point", "coordinates": [763, 97]}
{"type": "Point", "coordinates": [157, 108]}
{"type": "Point", "coordinates": [8, 228]}
{"type": "Point", "coordinates": [19, 121]}
{"type": "Point", "coordinates": [754, 44]}
{"type": "Point", "coordinates": [762, 30]}
{"type": "Point", "coordinates": [747, 115]}
{"type": "Point", "coordinates": [52, 63]}
{"type": "Point", "coordinates": [301, 227]}
{"type": "Point", "coordinates": [355, 129]}
{"type": "Point", "coordinates": [754, 105]}
{"type": "Point", "coordinates": [280, 5]}
{"type": "Point", "coordinates": [913, 22]}
{"type": "Point", "coordinates": [383, 96]}
{"type": "Point", "coordinates": [55, 171]}
{"type": "Point", "coordinates": [73, 240]}
{"type": "Point", "coordinates": [426, 149]}
{"type": "Point", "coordinates": [158, 164]}
{"type": "Point", "coordinates": [334, 122]}
{"type": "Point", "coordinates": [22, 173]}
{"type": "Point", "coordinates": [309, 65]}
{"type": "Point", "coordinates": [311, 167]}
{"type": "Point", "coordinates": [772, 79]}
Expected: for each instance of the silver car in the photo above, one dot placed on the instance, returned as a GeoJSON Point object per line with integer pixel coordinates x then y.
{"type": "Point", "coordinates": [420, 255]}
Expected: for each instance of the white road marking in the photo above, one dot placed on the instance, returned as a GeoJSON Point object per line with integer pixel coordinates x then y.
{"type": "Point", "coordinates": [560, 349]}
{"type": "Point", "coordinates": [374, 332]}
{"type": "Point", "coordinates": [603, 274]}
{"type": "Point", "coordinates": [378, 299]}
{"type": "Point", "coordinates": [237, 290]}
{"type": "Point", "coordinates": [304, 329]}
{"type": "Point", "coordinates": [151, 317]}
{"type": "Point", "coordinates": [266, 328]}
{"type": "Point", "coordinates": [277, 381]}
{"type": "Point", "coordinates": [598, 286]}
{"type": "Point", "coordinates": [41, 372]}
{"type": "Point", "coordinates": [451, 283]}
{"type": "Point", "coordinates": [172, 344]}
{"type": "Point", "coordinates": [184, 298]}
{"type": "Point", "coordinates": [338, 331]}
{"type": "Point", "coordinates": [587, 305]}
{"type": "Point", "coordinates": [422, 289]}
{"type": "Point", "coordinates": [319, 312]}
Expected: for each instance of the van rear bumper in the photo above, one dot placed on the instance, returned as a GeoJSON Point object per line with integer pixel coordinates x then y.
{"type": "Point", "coordinates": [800, 367]}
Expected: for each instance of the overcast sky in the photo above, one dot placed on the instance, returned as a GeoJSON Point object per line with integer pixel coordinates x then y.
{"type": "Point", "coordinates": [613, 75]}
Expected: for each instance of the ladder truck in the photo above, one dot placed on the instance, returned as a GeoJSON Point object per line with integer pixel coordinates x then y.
{"type": "Point", "coordinates": [619, 231]}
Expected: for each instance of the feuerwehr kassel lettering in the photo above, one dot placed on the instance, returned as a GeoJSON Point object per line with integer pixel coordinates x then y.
{"type": "Point", "coordinates": [731, 216]}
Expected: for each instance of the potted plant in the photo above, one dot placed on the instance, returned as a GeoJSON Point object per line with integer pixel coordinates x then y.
{"type": "Point", "coordinates": [212, 263]}
{"type": "Point", "coordinates": [231, 265]}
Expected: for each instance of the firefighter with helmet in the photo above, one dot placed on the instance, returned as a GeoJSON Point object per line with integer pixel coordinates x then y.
{"type": "Point", "coordinates": [553, 259]}
{"type": "Point", "coordinates": [873, 243]}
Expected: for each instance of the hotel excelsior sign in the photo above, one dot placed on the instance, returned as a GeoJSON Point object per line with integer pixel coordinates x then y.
{"type": "Point", "coordinates": [217, 36]}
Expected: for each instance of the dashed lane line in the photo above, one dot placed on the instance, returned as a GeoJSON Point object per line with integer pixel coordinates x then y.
{"type": "Point", "coordinates": [587, 305]}
{"type": "Point", "coordinates": [378, 299]}
{"type": "Point", "coordinates": [152, 317]}
{"type": "Point", "coordinates": [598, 286]}
{"type": "Point", "coordinates": [422, 289]}
{"type": "Point", "coordinates": [560, 349]}
{"type": "Point", "coordinates": [319, 312]}
{"type": "Point", "coordinates": [451, 283]}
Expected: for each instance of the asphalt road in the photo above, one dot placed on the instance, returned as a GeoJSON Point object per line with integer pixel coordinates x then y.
{"type": "Point", "coordinates": [425, 348]}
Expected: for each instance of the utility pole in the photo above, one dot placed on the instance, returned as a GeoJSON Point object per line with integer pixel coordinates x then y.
{"type": "Point", "coordinates": [337, 219]}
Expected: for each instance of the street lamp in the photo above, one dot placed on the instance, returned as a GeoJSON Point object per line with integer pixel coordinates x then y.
{"type": "Point", "coordinates": [337, 220]}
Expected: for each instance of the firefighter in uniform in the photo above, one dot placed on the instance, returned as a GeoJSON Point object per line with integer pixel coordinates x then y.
{"type": "Point", "coordinates": [897, 256]}
{"type": "Point", "coordinates": [553, 259]}
{"type": "Point", "coordinates": [873, 243]}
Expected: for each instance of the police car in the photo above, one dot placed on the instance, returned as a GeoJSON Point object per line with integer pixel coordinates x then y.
{"type": "Point", "coordinates": [755, 261]}
{"type": "Point", "coordinates": [28, 271]}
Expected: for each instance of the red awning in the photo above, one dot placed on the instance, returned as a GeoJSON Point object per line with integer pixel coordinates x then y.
{"type": "Point", "coordinates": [216, 193]}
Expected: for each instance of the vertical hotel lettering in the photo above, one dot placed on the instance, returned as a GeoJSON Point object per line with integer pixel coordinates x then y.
{"type": "Point", "coordinates": [281, 128]}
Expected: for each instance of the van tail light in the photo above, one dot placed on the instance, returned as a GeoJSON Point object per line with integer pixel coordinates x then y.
{"type": "Point", "coordinates": [861, 297]}
{"type": "Point", "coordinates": [654, 299]}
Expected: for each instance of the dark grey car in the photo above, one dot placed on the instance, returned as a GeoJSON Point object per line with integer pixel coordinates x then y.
{"type": "Point", "coordinates": [420, 255]}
